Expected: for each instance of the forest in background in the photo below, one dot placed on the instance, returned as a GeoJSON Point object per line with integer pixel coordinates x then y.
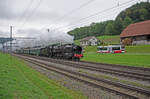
{"type": "Point", "coordinates": [136, 13]}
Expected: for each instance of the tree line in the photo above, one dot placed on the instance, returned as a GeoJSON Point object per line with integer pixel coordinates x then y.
{"type": "Point", "coordinates": [136, 13]}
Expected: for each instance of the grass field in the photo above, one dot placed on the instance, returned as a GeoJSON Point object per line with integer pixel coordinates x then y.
{"type": "Point", "coordinates": [134, 56]}
{"type": "Point", "coordinates": [18, 81]}
{"type": "Point", "coordinates": [138, 49]}
{"type": "Point", "coordinates": [115, 39]}
{"type": "Point", "coordinates": [77, 42]}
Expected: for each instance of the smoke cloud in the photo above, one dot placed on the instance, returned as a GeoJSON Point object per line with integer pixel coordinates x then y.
{"type": "Point", "coordinates": [43, 38]}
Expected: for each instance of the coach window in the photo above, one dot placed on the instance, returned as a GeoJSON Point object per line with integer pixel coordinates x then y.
{"type": "Point", "coordinates": [103, 48]}
{"type": "Point", "coordinates": [116, 48]}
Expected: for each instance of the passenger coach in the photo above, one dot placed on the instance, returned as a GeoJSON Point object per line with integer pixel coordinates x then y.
{"type": "Point", "coordinates": [111, 49]}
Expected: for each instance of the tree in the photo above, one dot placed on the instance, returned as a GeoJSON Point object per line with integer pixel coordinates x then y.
{"type": "Point", "coordinates": [118, 26]}
{"type": "Point", "coordinates": [109, 30]}
{"type": "Point", "coordinates": [127, 41]}
{"type": "Point", "coordinates": [127, 21]}
{"type": "Point", "coordinates": [136, 13]}
{"type": "Point", "coordinates": [143, 14]}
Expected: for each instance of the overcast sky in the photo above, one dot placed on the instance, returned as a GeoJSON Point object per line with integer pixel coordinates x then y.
{"type": "Point", "coordinates": [32, 17]}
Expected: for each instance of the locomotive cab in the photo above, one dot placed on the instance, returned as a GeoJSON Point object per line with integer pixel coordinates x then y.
{"type": "Point", "coordinates": [77, 50]}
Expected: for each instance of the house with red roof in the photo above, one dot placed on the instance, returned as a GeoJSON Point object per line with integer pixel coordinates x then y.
{"type": "Point", "coordinates": [138, 33]}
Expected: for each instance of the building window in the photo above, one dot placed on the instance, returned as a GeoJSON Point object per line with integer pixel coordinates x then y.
{"type": "Point", "coordinates": [134, 38]}
{"type": "Point", "coordinates": [148, 38]}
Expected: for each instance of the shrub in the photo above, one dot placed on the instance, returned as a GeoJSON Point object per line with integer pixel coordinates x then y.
{"type": "Point", "coordinates": [127, 41]}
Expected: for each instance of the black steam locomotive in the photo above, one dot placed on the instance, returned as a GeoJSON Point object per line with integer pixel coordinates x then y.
{"type": "Point", "coordinates": [58, 51]}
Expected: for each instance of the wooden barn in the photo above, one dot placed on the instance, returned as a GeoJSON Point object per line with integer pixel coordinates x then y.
{"type": "Point", "coordinates": [138, 33]}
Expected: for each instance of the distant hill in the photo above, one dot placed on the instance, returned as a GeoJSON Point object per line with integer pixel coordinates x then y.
{"type": "Point", "coordinates": [136, 13]}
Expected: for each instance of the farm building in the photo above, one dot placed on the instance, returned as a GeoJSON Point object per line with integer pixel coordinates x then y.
{"type": "Point", "coordinates": [89, 41]}
{"type": "Point", "coordinates": [138, 33]}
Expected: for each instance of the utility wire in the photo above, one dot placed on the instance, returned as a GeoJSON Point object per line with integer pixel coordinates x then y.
{"type": "Point", "coordinates": [105, 15]}
{"type": "Point", "coordinates": [84, 23]}
{"type": "Point", "coordinates": [32, 13]}
{"type": "Point", "coordinates": [25, 11]}
{"type": "Point", "coordinates": [100, 12]}
{"type": "Point", "coordinates": [73, 11]}
{"type": "Point", "coordinates": [90, 16]}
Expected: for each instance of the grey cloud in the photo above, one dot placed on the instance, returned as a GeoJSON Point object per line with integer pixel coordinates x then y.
{"type": "Point", "coordinates": [28, 32]}
{"type": "Point", "coordinates": [6, 11]}
{"type": "Point", "coordinates": [4, 34]}
{"type": "Point", "coordinates": [48, 12]}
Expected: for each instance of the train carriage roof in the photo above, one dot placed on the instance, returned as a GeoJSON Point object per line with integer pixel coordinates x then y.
{"type": "Point", "coordinates": [110, 46]}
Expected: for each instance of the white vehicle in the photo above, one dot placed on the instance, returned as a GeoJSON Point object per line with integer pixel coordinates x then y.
{"type": "Point", "coordinates": [111, 49]}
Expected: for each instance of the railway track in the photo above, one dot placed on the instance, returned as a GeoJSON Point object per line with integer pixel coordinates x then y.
{"type": "Point", "coordinates": [119, 66]}
{"type": "Point", "coordinates": [136, 75]}
{"type": "Point", "coordinates": [127, 89]}
{"type": "Point", "coordinates": [141, 75]}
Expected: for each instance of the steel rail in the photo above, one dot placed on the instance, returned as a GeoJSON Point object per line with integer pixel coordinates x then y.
{"type": "Point", "coordinates": [133, 88]}
{"type": "Point", "coordinates": [82, 80]}
{"type": "Point", "coordinates": [136, 75]}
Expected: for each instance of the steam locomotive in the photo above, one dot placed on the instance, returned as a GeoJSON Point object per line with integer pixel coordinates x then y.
{"type": "Point", "coordinates": [57, 51]}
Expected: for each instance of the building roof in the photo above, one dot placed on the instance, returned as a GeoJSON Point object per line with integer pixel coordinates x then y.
{"type": "Point", "coordinates": [87, 38]}
{"type": "Point", "coordinates": [137, 29]}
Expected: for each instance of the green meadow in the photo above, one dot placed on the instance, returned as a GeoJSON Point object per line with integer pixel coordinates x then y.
{"type": "Point", "coordinates": [19, 81]}
{"type": "Point", "coordinates": [134, 56]}
{"type": "Point", "coordinates": [115, 39]}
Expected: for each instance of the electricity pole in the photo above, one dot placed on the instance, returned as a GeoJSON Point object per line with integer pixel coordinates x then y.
{"type": "Point", "coordinates": [10, 39]}
{"type": "Point", "coordinates": [48, 30]}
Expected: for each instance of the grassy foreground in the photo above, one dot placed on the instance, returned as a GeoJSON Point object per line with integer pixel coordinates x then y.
{"type": "Point", "coordinates": [18, 81]}
{"type": "Point", "coordinates": [134, 56]}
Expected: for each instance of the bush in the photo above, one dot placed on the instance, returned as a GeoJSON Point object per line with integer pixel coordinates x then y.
{"type": "Point", "coordinates": [127, 41]}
